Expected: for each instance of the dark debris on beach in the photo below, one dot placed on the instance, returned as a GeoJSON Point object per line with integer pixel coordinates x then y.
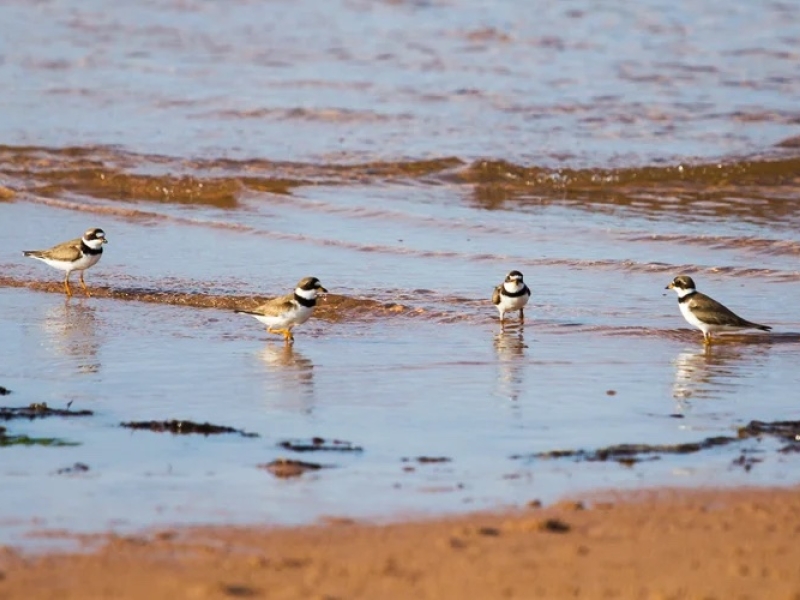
{"type": "Point", "coordinates": [39, 410]}
{"type": "Point", "coordinates": [427, 460]}
{"type": "Point", "coordinates": [24, 440]}
{"type": "Point", "coordinates": [74, 469]}
{"type": "Point", "coordinates": [182, 427]}
{"type": "Point", "coordinates": [788, 431]}
{"type": "Point", "coordinates": [629, 454]}
{"type": "Point", "coordinates": [318, 444]}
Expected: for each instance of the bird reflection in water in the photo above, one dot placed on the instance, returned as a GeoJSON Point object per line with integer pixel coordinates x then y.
{"type": "Point", "coordinates": [71, 330]}
{"type": "Point", "coordinates": [509, 345]}
{"type": "Point", "coordinates": [294, 376]}
{"type": "Point", "coordinates": [713, 370]}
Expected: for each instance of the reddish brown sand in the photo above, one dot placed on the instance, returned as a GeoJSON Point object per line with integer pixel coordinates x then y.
{"type": "Point", "coordinates": [695, 544]}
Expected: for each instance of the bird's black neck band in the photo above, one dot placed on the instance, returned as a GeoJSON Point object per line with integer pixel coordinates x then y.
{"type": "Point", "coordinates": [523, 291]}
{"type": "Point", "coordinates": [87, 249]}
{"type": "Point", "coordinates": [686, 297]}
{"type": "Point", "coordinates": [308, 303]}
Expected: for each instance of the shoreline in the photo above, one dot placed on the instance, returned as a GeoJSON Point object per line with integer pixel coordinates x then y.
{"type": "Point", "coordinates": [658, 543]}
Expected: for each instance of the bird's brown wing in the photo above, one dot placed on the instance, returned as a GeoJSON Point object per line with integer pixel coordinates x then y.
{"type": "Point", "coordinates": [276, 306]}
{"type": "Point", "coordinates": [70, 250]}
{"type": "Point", "coordinates": [496, 295]}
{"type": "Point", "coordinates": [712, 312]}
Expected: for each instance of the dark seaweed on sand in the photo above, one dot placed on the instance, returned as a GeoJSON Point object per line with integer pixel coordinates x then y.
{"type": "Point", "coordinates": [628, 454]}
{"type": "Point", "coordinates": [39, 410]}
{"type": "Point", "coordinates": [318, 444]}
{"type": "Point", "coordinates": [181, 427]}
{"type": "Point", "coordinates": [24, 440]}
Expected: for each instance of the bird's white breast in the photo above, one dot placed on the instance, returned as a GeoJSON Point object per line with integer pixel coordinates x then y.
{"type": "Point", "coordinates": [296, 316]}
{"type": "Point", "coordinates": [509, 303]}
{"type": "Point", "coordinates": [84, 262]}
{"type": "Point", "coordinates": [691, 318]}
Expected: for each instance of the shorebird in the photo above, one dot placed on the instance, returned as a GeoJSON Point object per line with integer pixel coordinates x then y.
{"type": "Point", "coordinates": [511, 295]}
{"type": "Point", "coordinates": [280, 315]}
{"type": "Point", "coordinates": [705, 313]}
{"type": "Point", "coordinates": [75, 255]}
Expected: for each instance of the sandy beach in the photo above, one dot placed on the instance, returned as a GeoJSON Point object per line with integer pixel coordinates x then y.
{"type": "Point", "coordinates": [655, 544]}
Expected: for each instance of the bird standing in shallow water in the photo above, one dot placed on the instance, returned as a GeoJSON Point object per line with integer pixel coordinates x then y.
{"type": "Point", "coordinates": [280, 315]}
{"type": "Point", "coordinates": [511, 295]}
{"type": "Point", "coordinates": [75, 255]}
{"type": "Point", "coordinates": [705, 313]}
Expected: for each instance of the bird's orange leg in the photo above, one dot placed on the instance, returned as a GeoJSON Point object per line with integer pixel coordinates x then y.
{"type": "Point", "coordinates": [85, 289]}
{"type": "Point", "coordinates": [286, 333]}
{"type": "Point", "coordinates": [66, 285]}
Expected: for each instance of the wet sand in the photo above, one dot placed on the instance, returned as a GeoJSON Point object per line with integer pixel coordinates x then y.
{"type": "Point", "coordinates": [657, 544]}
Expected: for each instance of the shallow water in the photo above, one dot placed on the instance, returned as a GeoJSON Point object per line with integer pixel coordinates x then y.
{"type": "Point", "coordinates": [600, 152]}
{"type": "Point", "coordinates": [583, 83]}
{"type": "Point", "coordinates": [399, 388]}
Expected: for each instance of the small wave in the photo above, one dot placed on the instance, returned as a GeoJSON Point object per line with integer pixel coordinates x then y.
{"type": "Point", "coordinates": [115, 174]}
{"type": "Point", "coordinates": [327, 115]}
{"type": "Point", "coordinates": [624, 265]}
{"type": "Point", "coordinates": [755, 189]}
{"type": "Point", "coordinates": [758, 189]}
{"type": "Point", "coordinates": [766, 246]}
{"type": "Point", "coordinates": [332, 307]}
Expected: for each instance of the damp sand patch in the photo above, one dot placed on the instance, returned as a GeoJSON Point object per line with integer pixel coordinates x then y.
{"type": "Point", "coordinates": [287, 468]}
